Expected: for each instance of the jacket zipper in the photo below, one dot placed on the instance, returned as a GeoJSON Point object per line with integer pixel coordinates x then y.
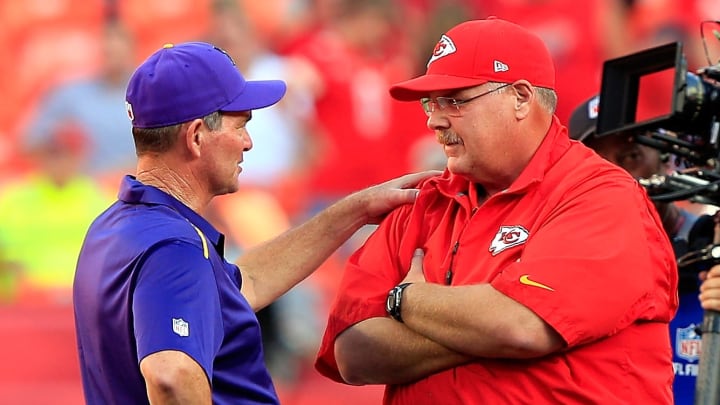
{"type": "Point", "coordinates": [455, 248]}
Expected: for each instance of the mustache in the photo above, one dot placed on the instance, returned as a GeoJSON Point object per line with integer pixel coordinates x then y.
{"type": "Point", "coordinates": [447, 137]}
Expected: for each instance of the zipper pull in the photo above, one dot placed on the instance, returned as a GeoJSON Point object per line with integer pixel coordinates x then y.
{"type": "Point", "coordinates": [448, 277]}
{"type": "Point", "coordinates": [449, 273]}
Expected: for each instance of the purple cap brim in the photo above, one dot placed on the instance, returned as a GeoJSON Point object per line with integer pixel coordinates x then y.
{"type": "Point", "coordinates": [257, 94]}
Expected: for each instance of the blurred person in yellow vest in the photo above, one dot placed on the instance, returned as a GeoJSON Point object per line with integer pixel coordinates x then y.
{"type": "Point", "coordinates": [44, 216]}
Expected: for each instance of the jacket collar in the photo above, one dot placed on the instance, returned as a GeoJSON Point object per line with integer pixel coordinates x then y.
{"type": "Point", "coordinates": [134, 192]}
{"type": "Point", "coordinates": [552, 148]}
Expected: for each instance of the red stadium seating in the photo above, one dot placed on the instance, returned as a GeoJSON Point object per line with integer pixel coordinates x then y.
{"type": "Point", "coordinates": [157, 22]}
{"type": "Point", "coordinates": [42, 42]}
{"type": "Point", "coordinates": [39, 356]}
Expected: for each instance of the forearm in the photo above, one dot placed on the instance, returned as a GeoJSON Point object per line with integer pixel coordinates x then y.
{"type": "Point", "coordinates": [383, 351]}
{"type": "Point", "coordinates": [478, 321]}
{"type": "Point", "coordinates": [269, 270]}
{"type": "Point", "coordinates": [272, 268]}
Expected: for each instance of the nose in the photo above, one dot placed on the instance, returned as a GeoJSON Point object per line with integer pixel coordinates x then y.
{"type": "Point", "coordinates": [247, 141]}
{"type": "Point", "coordinates": [437, 122]}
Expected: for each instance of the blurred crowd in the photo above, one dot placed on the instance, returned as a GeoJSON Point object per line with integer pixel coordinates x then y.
{"type": "Point", "coordinates": [65, 138]}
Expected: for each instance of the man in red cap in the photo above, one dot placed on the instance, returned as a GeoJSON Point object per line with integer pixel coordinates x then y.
{"type": "Point", "coordinates": [530, 271]}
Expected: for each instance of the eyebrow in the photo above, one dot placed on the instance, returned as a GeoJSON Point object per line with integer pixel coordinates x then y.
{"type": "Point", "coordinates": [456, 94]}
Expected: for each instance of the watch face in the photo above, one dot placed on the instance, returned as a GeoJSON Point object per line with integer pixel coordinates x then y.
{"type": "Point", "coordinates": [390, 302]}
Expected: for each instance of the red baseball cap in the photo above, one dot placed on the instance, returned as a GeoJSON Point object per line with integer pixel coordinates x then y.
{"type": "Point", "coordinates": [479, 51]}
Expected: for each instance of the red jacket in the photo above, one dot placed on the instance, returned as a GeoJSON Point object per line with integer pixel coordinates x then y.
{"type": "Point", "coordinates": [572, 222]}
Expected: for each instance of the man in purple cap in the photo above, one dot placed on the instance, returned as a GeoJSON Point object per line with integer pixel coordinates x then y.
{"type": "Point", "coordinates": [161, 316]}
{"type": "Point", "coordinates": [531, 272]}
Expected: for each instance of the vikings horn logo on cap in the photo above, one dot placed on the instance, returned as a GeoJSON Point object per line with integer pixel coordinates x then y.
{"type": "Point", "coordinates": [129, 109]}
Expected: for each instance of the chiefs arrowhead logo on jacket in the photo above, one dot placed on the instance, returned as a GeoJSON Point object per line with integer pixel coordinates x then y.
{"type": "Point", "coordinates": [507, 237]}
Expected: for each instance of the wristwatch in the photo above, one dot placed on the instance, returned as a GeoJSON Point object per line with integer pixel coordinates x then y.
{"type": "Point", "coordinates": [394, 301]}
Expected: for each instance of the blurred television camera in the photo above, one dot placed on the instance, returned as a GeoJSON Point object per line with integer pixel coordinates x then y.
{"type": "Point", "coordinates": [687, 132]}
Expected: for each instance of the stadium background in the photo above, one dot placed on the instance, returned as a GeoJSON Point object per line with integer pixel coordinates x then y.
{"type": "Point", "coordinates": [45, 44]}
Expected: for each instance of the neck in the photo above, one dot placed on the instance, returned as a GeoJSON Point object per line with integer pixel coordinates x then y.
{"type": "Point", "coordinates": [181, 185]}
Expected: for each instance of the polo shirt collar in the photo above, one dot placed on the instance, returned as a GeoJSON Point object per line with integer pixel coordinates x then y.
{"type": "Point", "coordinates": [133, 191]}
{"type": "Point", "coordinates": [553, 146]}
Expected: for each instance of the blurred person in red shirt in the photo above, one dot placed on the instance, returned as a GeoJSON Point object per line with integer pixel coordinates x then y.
{"type": "Point", "coordinates": [361, 134]}
{"type": "Point", "coordinates": [581, 35]}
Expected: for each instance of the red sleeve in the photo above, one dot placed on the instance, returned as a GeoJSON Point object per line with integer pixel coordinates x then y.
{"type": "Point", "coordinates": [369, 274]}
{"type": "Point", "coordinates": [596, 276]}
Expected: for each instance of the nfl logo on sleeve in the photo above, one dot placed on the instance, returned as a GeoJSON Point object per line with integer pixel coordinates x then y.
{"type": "Point", "coordinates": [180, 327]}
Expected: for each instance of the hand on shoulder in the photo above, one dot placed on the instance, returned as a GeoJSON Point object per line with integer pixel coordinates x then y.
{"type": "Point", "coordinates": [376, 201]}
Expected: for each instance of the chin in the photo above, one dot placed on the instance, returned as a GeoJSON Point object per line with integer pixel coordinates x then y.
{"type": "Point", "coordinates": [455, 167]}
{"type": "Point", "coordinates": [227, 189]}
{"type": "Point", "coordinates": [232, 189]}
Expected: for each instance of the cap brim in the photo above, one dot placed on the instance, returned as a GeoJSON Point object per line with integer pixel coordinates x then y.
{"type": "Point", "coordinates": [583, 137]}
{"type": "Point", "coordinates": [422, 86]}
{"type": "Point", "coordinates": [257, 94]}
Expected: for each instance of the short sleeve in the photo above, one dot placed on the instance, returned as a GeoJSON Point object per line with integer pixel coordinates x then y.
{"type": "Point", "coordinates": [601, 263]}
{"type": "Point", "coordinates": [176, 304]}
{"type": "Point", "coordinates": [369, 274]}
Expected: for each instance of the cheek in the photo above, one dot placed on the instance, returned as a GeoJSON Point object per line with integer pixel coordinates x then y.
{"type": "Point", "coordinates": [229, 144]}
{"type": "Point", "coordinates": [487, 139]}
{"type": "Point", "coordinates": [652, 166]}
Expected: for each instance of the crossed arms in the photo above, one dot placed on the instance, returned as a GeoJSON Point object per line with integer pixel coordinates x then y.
{"type": "Point", "coordinates": [443, 327]}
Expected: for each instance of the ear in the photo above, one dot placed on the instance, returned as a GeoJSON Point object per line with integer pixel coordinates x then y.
{"type": "Point", "coordinates": [194, 134]}
{"type": "Point", "coordinates": [525, 95]}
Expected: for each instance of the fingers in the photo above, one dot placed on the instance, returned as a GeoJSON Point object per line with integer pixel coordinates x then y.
{"type": "Point", "coordinates": [714, 272]}
{"type": "Point", "coordinates": [407, 196]}
{"type": "Point", "coordinates": [711, 304]}
{"type": "Point", "coordinates": [417, 259]}
{"type": "Point", "coordinates": [416, 264]}
{"type": "Point", "coordinates": [382, 198]}
{"type": "Point", "coordinates": [710, 292]}
{"type": "Point", "coordinates": [413, 179]}
{"type": "Point", "coordinates": [711, 283]}
{"type": "Point", "coordinates": [416, 273]}
{"type": "Point", "coordinates": [381, 203]}
{"type": "Point", "coordinates": [710, 299]}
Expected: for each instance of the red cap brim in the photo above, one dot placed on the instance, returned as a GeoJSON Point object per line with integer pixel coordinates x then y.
{"type": "Point", "coordinates": [422, 86]}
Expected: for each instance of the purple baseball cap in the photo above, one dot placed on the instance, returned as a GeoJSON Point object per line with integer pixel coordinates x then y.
{"type": "Point", "coordinates": [180, 83]}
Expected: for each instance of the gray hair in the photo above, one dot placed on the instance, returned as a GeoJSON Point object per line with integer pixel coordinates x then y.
{"type": "Point", "coordinates": [547, 98]}
{"type": "Point", "coordinates": [158, 140]}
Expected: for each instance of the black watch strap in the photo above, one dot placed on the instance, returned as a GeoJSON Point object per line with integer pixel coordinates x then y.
{"type": "Point", "coordinates": [393, 304]}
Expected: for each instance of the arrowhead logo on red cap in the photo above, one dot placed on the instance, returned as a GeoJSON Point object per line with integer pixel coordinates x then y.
{"type": "Point", "coordinates": [444, 47]}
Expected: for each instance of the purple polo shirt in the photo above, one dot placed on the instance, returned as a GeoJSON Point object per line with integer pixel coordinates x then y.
{"type": "Point", "coordinates": [151, 276]}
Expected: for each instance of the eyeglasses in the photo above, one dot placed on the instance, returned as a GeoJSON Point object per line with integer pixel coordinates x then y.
{"type": "Point", "coordinates": [450, 105]}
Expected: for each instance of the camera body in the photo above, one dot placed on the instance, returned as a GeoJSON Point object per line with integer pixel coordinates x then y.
{"type": "Point", "coordinates": [689, 130]}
